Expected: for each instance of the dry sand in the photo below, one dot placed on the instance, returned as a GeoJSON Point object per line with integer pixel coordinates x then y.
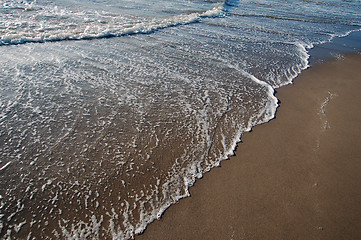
{"type": "Point", "coordinates": [296, 177]}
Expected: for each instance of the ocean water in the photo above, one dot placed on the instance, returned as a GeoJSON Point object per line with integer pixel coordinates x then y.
{"type": "Point", "coordinates": [110, 110]}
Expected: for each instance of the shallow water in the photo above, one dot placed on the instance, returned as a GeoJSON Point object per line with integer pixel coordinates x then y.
{"type": "Point", "coordinates": [110, 110]}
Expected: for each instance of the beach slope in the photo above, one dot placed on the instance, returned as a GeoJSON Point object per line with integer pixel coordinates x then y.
{"type": "Point", "coordinates": [296, 177]}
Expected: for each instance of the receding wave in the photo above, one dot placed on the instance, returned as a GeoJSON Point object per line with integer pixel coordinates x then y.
{"type": "Point", "coordinates": [98, 138]}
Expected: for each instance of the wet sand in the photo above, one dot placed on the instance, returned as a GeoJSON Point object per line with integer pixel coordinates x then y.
{"type": "Point", "coordinates": [296, 177]}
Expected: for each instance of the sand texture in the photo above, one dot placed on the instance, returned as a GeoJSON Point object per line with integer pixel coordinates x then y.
{"type": "Point", "coordinates": [296, 177]}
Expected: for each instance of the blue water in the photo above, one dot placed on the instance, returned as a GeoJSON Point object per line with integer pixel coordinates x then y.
{"type": "Point", "coordinates": [110, 110]}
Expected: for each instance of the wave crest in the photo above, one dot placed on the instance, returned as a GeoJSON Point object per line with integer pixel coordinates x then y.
{"type": "Point", "coordinates": [50, 24]}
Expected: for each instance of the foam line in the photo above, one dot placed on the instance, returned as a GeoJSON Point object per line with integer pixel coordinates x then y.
{"type": "Point", "coordinates": [112, 27]}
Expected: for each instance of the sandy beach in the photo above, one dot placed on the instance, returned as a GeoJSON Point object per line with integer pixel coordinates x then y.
{"type": "Point", "coordinates": [296, 177]}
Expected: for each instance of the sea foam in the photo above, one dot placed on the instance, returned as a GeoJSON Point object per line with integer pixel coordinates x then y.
{"type": "Point", "coordinates": [49, 24]}
{"type": "Point", "coordinates": [99, 138]}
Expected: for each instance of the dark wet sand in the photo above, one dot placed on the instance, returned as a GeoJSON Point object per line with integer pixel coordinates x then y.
{"type": "Point", "coordinates": [296, 177]}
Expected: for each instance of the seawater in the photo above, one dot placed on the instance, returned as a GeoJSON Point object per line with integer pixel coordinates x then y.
{"type": "Point", "coordinates": [110, 110]}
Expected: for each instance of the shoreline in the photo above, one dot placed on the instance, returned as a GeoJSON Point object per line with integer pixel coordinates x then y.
{"type": "Point", "coordinates": [295, 186]}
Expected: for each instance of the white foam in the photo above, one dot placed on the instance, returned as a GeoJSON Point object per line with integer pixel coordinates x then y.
{"type": "Point", "coordinates": [5, 166]}
{"type": "Point", "coordinates": [100, 25]}
{"type": "Point", "coordinates": [18, 227]}
{"type": "Point", "coordinates": [82, 230]}
{"type": "Point", "coordinates": [335, 35]}
{"type": "Point", "coordinates": [176, 186]}
{"type": "Point", "coordinates": [194, 171]}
